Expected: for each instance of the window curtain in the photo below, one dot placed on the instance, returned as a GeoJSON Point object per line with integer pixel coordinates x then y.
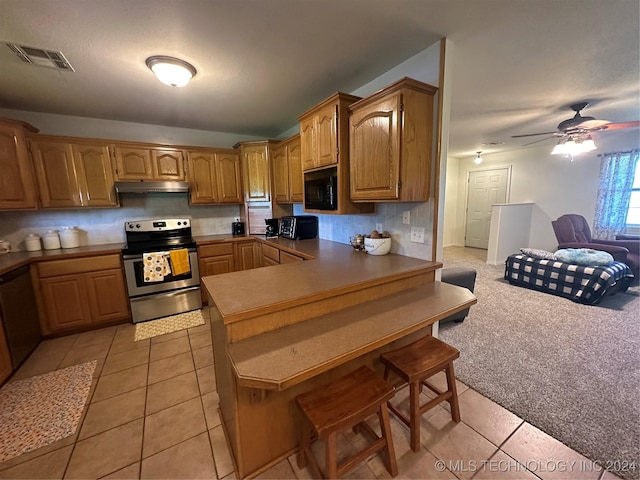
{"type": "Point", "coordinates": [617, 171]}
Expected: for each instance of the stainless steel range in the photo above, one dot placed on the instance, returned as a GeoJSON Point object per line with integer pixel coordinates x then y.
{"type": "Point", "coordinates": [166, 294]}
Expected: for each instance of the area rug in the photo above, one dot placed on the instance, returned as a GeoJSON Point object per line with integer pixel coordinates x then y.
{"type": "Point", "coordinates": [43, 409]}
{"type": "Point", "coordinates": [170, 324]}
{"type": "Point", "coordinates": [571, 370]}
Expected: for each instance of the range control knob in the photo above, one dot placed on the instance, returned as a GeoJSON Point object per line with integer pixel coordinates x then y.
{"type": "Point", "coordinates": [179, 223]}
{"type": "Point", "coordinates": [137, 225]}
{"type": "Point", "coordinates": [131, 225]}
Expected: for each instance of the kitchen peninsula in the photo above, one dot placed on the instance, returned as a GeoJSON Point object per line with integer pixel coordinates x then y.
{"type": "Point", "coordinates": [280, 331]}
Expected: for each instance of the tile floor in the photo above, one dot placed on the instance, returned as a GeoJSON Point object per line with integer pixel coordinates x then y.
{"type": "Point", "coordinates": [152, 413]}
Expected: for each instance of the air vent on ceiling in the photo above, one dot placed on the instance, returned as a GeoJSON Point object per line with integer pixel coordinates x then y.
{"type": "Point", "coordinates": [41, 57]}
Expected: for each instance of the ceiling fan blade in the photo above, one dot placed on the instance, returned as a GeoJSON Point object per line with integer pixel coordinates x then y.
{"type": "Point", "coordinates": [533, 134]}
{"type": "Point", "coordinates": [538, 141]}
{"type": "Point", "coordinates": [594, 124]}
{"type": "Point", "coordinates": [621, 125]}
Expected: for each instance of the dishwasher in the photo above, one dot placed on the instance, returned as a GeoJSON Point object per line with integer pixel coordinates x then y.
{"type": "Point", "coordinates": [19, 314]}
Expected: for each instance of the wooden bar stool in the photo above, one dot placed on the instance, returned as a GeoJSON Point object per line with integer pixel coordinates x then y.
{"type": "Point", "coordinates": [415, 363]}
{"type": "Point", "coordinates": [342, 404]}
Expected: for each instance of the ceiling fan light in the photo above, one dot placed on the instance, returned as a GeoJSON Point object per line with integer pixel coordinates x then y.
{"type": "Point", "coordinates": [588, 145]}
{"type": "Point", "coordinates": [559, 149]}
{"type": "Point", "coordinates": [171, 71]}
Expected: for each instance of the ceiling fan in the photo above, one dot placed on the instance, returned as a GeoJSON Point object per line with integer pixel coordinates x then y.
{"type": "Point", "coordinates": [579, 126]}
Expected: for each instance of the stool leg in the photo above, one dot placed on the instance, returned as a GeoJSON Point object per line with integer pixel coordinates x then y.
{"type": "Point", "coordinates": [304, 449]}
{"type": "Point", "coordinates": [451, 385]}
{"type": "Point", "coordinates": [414, 415]}
{"type": "Point", "coordinates": [332, 456]}
{"type": "Point", "coordinates": [385, 427]}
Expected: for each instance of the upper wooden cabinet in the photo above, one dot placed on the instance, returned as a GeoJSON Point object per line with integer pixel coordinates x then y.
{"type": "Point", "coordinates": [17, 183]}
{"type": "Point", "coordinates": [256, 179]}
{"type": "Point", "coordinates": [323, 132]}
{"type": "Point", "coordinates": [287, 171]}
{"type": "Point", "coordinates": [391, 143]}
{"type": "Point", "coordinates": [72, 172]}
{"type": "Point", "coordinates": [148, 162]}
{"type": "Point", "coordinates": [214, 177]}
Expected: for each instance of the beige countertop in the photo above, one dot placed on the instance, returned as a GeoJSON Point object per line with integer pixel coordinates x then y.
{"type": "Point", "coordinates": [280, 359]}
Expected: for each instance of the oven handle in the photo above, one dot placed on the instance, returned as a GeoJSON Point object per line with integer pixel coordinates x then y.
{"type": "Point", "coordinates": [138, 256]}
{"type": "Point", "coordinates": [180, 291]}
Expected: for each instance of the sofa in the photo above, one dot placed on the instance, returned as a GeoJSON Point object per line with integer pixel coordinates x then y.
{"type": "Point", "coordinates": [462, 277]}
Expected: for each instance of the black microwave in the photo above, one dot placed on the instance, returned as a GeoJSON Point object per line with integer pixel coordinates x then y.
{"type": "Point", "coordinates": [321, 189]}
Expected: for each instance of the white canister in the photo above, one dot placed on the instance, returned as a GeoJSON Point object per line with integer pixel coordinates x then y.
{"type": "Point", "coordinates": [51, 240]}
{"type": "Point", "coordinates": [69, 237]}
{"type": "Point", "coordinates": [32, 243]}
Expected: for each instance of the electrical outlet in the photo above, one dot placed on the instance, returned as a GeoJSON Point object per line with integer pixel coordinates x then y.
{"type": "Point", "coordinates": [379, 227]}
{"type": "Point", "coordinates": [406, 217]}
{"type": "Point", "coordinates": [237, 219]}
{"type": "Point", "coordinates": [417, 234]}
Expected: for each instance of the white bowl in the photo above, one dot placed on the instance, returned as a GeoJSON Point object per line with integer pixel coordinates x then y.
{"type": "Point", "coordinates": [377, 246]}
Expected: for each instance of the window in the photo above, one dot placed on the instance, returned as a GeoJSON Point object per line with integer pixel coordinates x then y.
{"type": "Point", "coordinates": [633, 217]}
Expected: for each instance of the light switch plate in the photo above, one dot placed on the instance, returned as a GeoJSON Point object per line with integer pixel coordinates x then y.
{"type": "Point", "coordinates": [417, 234]}
{"type": "Point", "coordinates": [406, 217]}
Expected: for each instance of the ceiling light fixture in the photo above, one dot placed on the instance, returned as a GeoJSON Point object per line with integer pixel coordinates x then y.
{"type": "Point", "coordinates": [478, 160]}
{"type": "Point", "coordinates": [171, 71]}
{"type": "Point", "coordinates": [573, 146]}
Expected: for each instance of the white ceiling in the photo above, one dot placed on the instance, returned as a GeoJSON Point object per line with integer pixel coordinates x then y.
{"type": "Point", "coordinates": [517, 64]}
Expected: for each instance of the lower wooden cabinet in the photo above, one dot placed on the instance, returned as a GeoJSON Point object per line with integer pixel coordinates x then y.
{"type": "Point", "coordinates": [286, 257]}
{"type": "Point", "coordinates": [246, 255]}
{"type": "Point", "coordinates": [5, 359]}
{"type": "Point", "coordinates": [82, 293]}
{"type": "Point", "coordinates": [215, 259]}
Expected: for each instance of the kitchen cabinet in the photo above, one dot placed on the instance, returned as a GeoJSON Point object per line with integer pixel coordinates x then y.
{"type": "Point", "coordinates": [6, 368]}
{"type": "Point", "coordinates": [214, 177]}
{"type": "Point", "coordinates": [255, 159]}
{"type": "Point", "coordinates": [215, 259]}
{"type": "Point", "coordinates": [246, 255]}
{"type": "Point", "coordinates": [391, 143]}
{"type": "Point", "coordinates": [17, 182]}
{"type": "Point", "coordinates": [286, 257]}
{"type": "Point", "coordinates": [73, 172]}
{"type": "Point", "coordinates": [324, 143]}
{"type": "Point", "coordinates": [323, 131]}
{"type": "Point", "coordinates": [270, 255]}
{"type": "Point", "coordinates": [81, 293]}
{"type": "Point", "coordinates": [148, 162]}
{"type": "Point", "coordinates": [287, 171]}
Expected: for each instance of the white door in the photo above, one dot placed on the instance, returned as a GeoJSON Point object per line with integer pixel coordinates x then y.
{"type": "Point", "coordinates": [484, 189]}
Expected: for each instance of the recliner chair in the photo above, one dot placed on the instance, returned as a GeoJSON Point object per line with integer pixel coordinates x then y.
{"type": "Point", "coordinates": [572, 231]}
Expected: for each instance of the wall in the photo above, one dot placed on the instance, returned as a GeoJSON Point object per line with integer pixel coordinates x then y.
{"type": "Point", "coordinates": [510, 230]}
{"type": "Point", "coordinates": [555, 184]}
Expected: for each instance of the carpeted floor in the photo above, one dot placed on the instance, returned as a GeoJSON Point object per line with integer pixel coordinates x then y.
{"type": "Point", "coordinates": [571, 370]}
{"type": "Point", "coordinates": [43, 409]}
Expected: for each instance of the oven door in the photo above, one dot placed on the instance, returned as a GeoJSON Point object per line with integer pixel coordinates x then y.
{"type": "Point", "coordinates": [136, 286]}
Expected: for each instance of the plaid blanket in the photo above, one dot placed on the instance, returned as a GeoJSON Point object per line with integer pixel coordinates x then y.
{"type": "Point", "coordinates": [586, 285]}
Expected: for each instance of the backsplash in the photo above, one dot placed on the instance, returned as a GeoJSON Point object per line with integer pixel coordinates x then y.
{"type": "Point", "coordinates": [101, 226]}
{"type": "Point", "coordinates": [339, 228]}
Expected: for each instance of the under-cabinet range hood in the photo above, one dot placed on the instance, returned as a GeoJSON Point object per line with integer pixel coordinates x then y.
{"type": "Point", "coordinates": [145, 186]}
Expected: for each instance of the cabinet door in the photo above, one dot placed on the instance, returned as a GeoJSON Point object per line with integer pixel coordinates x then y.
{"type": "Point", "coordinates": [6, 367]}
{"type": "Point", "coordinates": [202, 178]}
{"type": "Point", "coordinates": [95, 175]}
{"type": "Point", "coordinates": [133, 163]}
{"type": "Point", "coordinates": [108, 300]}
{"type": "Point", "coordinates": [216, 265]}
{"type": "Point", "coordinates": [255, 173]}
{"type": "Point", "coordinates": [17, 183]}
{"type": "Point", "coordinates": [296, 178]}
{"type": "Point", "coordinates": [327, 136]}
{"type": "Point", "coordinates": [65, 302]}
{"type": "Point", "coordinates": [308, 142]}
{"type": "Point", "coordinates": [257, 215]}
{"type": "Point", "coordinates": [375, 149]}
{"type": "Point", "coordinates": [56, 174]}
{"type": "Point", "coordinates": [280, 168]}
{"type": "Point", "coordinates": [228, 178]}
{"type": "Point", "coordinates": [245, 255]}
{"type": "Point", "coordinates": [168, 164]}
